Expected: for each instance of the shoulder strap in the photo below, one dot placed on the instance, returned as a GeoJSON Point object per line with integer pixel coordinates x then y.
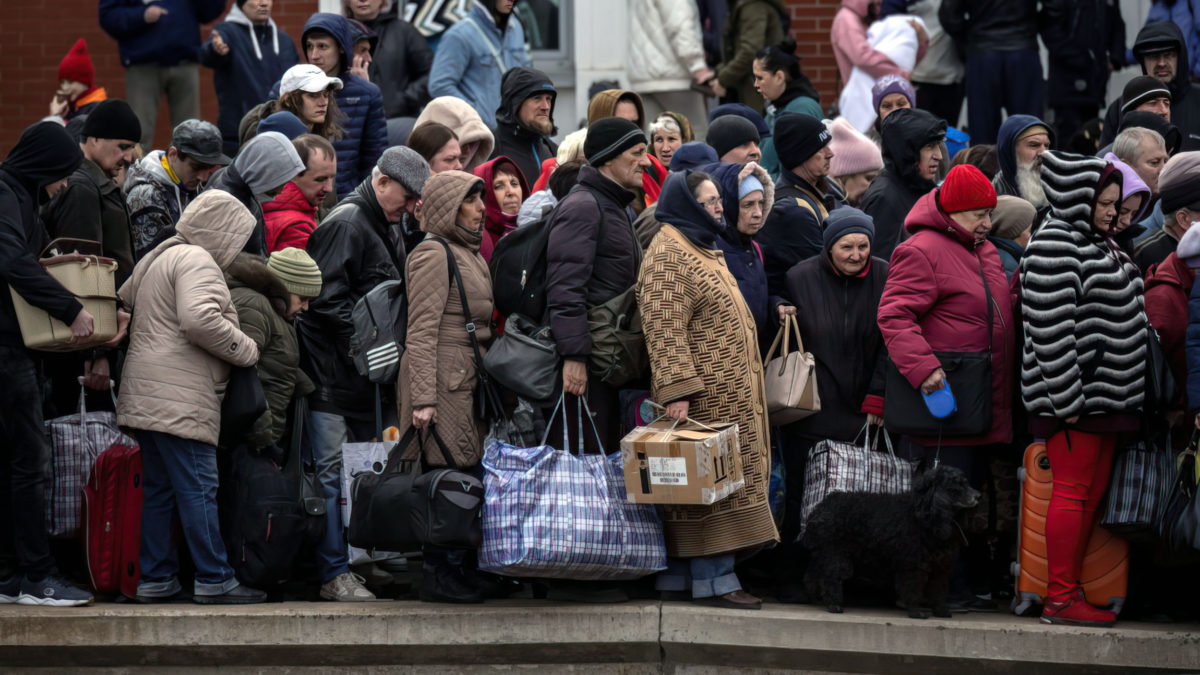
{"type": "Point", "coordinates": [456, 279]}
{"type": "Point", "coordinates": [470, 20]}
{"type": "Point", "coordinates": [987, 291]}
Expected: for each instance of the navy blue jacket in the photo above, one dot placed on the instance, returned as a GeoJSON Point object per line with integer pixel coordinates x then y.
{"type": "Point", "coordinates": [792, 232]}
{"type": "Point", "coordinates": [364, 125]}
{"type": "Point", "coordinates": [243, 77]}
{"type": "Point", "coordinates": [173, 39]}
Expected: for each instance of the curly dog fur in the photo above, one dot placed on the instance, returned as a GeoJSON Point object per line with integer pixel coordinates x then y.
{"type": "Point", "coordinates": [914, 535]}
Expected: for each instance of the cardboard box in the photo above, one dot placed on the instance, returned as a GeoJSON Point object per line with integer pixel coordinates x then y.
{"type": "Point", "coordinates": [686, 464]}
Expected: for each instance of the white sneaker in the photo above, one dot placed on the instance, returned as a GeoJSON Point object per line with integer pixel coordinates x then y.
{"type": "Point", "coordinates": [347, 587]}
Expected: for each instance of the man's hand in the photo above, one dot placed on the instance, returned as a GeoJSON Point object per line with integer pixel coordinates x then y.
{"type": "Point", "coordinates": [96, 374]}
{"type": "Point", "coordinates": [218, 43]}
{"type": "Point", "coordinates": [359, 67]}
{"type": "Point", "coordinates": [423, 417]}
{"type": "Point", "coordinates": [575, 377]}
{"type": "Point", "coordinates": [153, 13]}
{"type": "Point", "coordinates": [935, 381]}
{"type": "Point", "coordinates": [83, 325]}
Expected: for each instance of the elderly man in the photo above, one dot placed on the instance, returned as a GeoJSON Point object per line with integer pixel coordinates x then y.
{"type": "Point", "coordinates": [1019, 147]}
{"type": "Point", "coordinates": [1161, 50]}
{"type": "Point", "coordinates": [735, 139]}
{"type": "Point", "coordinates": [1179, 190]}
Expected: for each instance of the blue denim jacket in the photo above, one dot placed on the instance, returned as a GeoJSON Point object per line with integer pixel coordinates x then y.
{"type": "Point", "coordinates": [465, 65]}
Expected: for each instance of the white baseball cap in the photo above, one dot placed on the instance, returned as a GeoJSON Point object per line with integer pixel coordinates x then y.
{"type": "Point", "coordinates": [307, 77]}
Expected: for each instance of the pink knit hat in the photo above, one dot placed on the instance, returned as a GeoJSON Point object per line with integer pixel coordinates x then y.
{"type": "Point", "coordinates": [853, 152]}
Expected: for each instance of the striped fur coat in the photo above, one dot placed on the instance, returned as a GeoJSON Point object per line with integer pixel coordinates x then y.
{"type": "Point", "coordinates": [1085, 327]}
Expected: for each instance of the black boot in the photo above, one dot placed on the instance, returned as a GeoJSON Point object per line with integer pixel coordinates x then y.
{"type": "Point", "coordinates": [442, 582]}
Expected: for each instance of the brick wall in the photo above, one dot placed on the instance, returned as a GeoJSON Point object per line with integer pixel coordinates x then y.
{"type": "Point", "coordinates": [811, 20]}
{"type": "Point", "coordinates": [38, 34]}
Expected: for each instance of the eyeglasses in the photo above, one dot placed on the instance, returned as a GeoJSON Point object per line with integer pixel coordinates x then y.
{"type": "Point", "coordinates": [714, 203]}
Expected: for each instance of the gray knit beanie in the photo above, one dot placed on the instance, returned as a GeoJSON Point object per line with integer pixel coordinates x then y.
{"type": "Point", "coordinates": [402, 163]}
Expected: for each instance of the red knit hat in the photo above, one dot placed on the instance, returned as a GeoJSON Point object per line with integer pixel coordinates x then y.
{"type": "Point", "coordinates": [966, 189]}
{"type": "Point", "coordinates": [77, 65]}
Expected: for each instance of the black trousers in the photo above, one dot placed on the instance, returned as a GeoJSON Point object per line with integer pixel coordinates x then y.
{"type": "Point", "coordinates": [24, 455]}
{"type": "Point", "coordinates": [943, 100]}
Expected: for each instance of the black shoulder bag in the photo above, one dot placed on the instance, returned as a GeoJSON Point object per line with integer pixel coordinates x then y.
{"type": "Point", "coordinates": [969, 375]}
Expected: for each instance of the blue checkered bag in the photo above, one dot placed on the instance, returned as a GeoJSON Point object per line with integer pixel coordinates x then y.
{"type": "Point", "coordinates": [550, 514]}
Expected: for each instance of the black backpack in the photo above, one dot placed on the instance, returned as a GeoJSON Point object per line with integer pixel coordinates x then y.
{"type": "Point", "coordinates": [266, 524]}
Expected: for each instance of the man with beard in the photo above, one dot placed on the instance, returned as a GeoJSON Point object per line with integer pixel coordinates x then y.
{"type": "Point", "coordinates": [1019, 147]}
{"type": "Point", "coordinates": [525, 121]}
{"type": "Point", "coordinates": [1162, 52]}
{"type": "Point", "coordinates": [912, 155]}
{"type": "Point", "coordinates": [1179, 190]}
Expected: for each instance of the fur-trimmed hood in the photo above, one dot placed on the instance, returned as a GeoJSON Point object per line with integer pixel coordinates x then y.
{"type": "Point", "coordinates": [251, 271]}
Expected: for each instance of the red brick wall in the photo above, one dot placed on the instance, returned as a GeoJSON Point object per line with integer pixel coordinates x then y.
{"type": "Point", "coordinates": [36, 34]}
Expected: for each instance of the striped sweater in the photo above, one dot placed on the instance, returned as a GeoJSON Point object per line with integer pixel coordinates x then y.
{"type": "Point", "coordinates": [1084, 347]}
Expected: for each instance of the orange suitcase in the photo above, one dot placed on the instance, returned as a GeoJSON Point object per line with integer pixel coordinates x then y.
{"type": "Point", "coordinates": [1105, 573]}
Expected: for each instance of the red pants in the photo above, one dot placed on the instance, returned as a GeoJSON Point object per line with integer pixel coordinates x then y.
{"type": "Point", "coordinates": [1081, 463]}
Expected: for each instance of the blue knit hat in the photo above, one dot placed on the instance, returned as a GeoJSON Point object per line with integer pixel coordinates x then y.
{"type": "Point", "coordinates": [285, 123]}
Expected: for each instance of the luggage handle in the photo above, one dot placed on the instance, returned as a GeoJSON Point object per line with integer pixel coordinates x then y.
{"type": "Point", "coordinates": [583, 408]}
{"type": "Point", "coordinates": [55, 247]}
{"type": "Point", "coordinates": [868, 447]}
{"type": "Point", "coordinates": [677, 421]}
{"type": "Point", "coordinates": [112, 392]}
{"type": "Point", "coordinates": [788, 321]}
{"type": "Point", "coordinates": [395, 455]}
{"type": "Point", "coordinates": [450, 463]}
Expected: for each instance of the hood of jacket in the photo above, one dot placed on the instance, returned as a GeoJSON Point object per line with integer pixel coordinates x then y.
{"type": "Point", "coordinates": [728, 178]}
{"type": "Point", "coordinates": [339, 27]}
{"type": "Point", "coordinates": [268, 161]}
{"type": "Point", "coordinates": [905, 132]}
{"type": "Point", "coordinates": [927, 214]}
{"type": "Point", "coordinates": [291, 199]}
{"type": "Point", "coordinates": [236, 15]}
{"type": "Point", "coordinates": [1071, 183]}
{"type": "Point", "coordinates": [1144, 118]}
{"type": "Point", "coordinates": [691, 155]}
{"type": "Point", "coordinates": [250, 271]}
{"type": "Point", "coordinates": [859, 7]}
{"type": "Point", "coordinates": [440, 201]}
{"type": "Point", "coordinates": [1131, 184]}
{"type": "Point", "coordinates": [497, 221]}
{"type": "Point", "coordinates": [149, 169]}
{"type": "Point", "coordinates": [677, 206]}
{"type": "Point", "coordinates": [518, 85]}
{"type": "Point", "coordinates": [1165, 33]}
{"type": "Point", "coordinates": [465, 121]}
{"type": "Point", "coordinates": [1006, 140]}
{"type": "Point", "coordinates": [45, 153]}
{"type": "Point", "coordinates": [604, 104]}
{"type": "Point", "coordinates": [215, 221]}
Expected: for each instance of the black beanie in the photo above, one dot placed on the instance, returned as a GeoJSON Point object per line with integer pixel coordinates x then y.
{"type": "Point", "coordinates": [112, 119]}
{"type": "Point", "coordinates": [730, 131]}
{"type": "Point", "coordinates": [1141, 89]}
{"type": "Point", "coordinates": [609, 137]}
{"type": "Point", "coordinates": [798, 137]}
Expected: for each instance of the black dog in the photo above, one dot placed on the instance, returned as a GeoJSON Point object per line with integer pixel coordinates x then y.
{"type": "Point", "coordinates": [913, 535]}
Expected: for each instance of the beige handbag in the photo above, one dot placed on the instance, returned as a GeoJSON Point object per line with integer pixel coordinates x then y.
{"type": "Point", "coordinates": [791, 379]}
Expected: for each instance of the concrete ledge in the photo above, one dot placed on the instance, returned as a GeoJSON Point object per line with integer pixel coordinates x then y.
{"type": "Point", "coordinates": [634, 638]}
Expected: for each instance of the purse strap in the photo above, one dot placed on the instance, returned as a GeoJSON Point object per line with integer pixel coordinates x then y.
{"type": "Point", "coordinates": [987, 291]}
{"type": "Point", "coordinates": [395, 455]}
{"type": "Point", "coordinates": [783, 333]}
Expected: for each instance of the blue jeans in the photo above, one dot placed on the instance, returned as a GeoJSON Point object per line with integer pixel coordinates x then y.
{"type": "Point", "coordinates": [327, 433]}
{"type": "Point", "coordinates": [178, 473]}
{"type": "Point", "coordinates": [710, 577]}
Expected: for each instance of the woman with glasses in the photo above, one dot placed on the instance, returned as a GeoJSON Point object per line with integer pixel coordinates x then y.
{"type": "Point", "coordinates": [705, 365]}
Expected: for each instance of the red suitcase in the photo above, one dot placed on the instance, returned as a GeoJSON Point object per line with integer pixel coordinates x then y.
{"type": "Point", "coordinates": [112, 503]}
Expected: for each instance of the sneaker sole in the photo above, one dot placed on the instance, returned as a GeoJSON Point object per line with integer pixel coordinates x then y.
{"type": "Point", "coordinates": [334, 598]}
{"type": "Point", "coordinates": [201, 600]}
{"type": "Point", "coordinates": [8, 599]}
{"type": "Point", "coordinates": [1077, 622]}
{"type": "Point", "coordinates": [52, 602]}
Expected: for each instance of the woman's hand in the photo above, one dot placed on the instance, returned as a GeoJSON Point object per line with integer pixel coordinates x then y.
{"type": "Point", "coordinates": [96, 374]}
{"type": "Point", "coordinates": [935, 381]}
{"type": "Point", "coordinates": [424, 416]}
{"type": "Point", "coordinates": [718, 89]}
{"type": "Point", "coordinates": [678, 410]}
{"type": "Point", "coordinates": [575, 377]}
{"type": "Point", "coordinates": [1073, 420]}
{"type": "Point", "coordinates": [786, 311]}
{"type": "Point", "coordinates": [874, 420]}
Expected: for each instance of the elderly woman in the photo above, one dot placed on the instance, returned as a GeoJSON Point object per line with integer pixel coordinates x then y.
{"type": "Point", "coordinates": [1135, 205]}
{"type": "Point", "coordinates": [184, 337]}
{"type": "Point", "coordinates": [1012, 223]}
{"type": "Point", "coordinates": [505, 190]}
{"type": "Point", "coordinates": [437, 380]}
{"type": "Point", "coordinates": [704, 364]}
{"type": "Point", "coordinates": [1083, 363]}
{"type": "Point", "coordinates": [667, 133]}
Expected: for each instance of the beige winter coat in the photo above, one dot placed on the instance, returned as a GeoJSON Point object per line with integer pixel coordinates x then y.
{"type": "Point", "coordinates": [438, 365]}
{"type": "Point", "coordinates": [185, 334]}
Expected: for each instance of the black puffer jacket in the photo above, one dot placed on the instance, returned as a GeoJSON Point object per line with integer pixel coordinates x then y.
{"type": "Point", "coordinates": [837, 318]}
{"type": "Point", "coordinates": [592, 256]}
{"type": "Point", "coordinates": [898, 187]}
{"type": "Point", "coordinates": [355, 253]}
{"type": "Point", "coordinates": [1185, 100]}
{"type": "Point", "coordinates": [524, 146]}
{"type": "Point", "coordinates": [45, 153]}
{"type": "Point", "coordinates": [994, 25]}
{"type": "Point", "coordinates": [793, 229]}
{"type": "Point", "coordinates": [400, 64]}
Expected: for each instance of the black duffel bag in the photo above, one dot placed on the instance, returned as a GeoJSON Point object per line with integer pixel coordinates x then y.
{"type": "Point", "coordinates": [402, 507]}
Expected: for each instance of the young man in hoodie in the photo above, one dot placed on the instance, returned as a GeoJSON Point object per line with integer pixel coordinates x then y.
{"type": "Point", "coordinates": [291, 217]}
{"type": "Point", "coordinates": [34, 171]}
{"type": "Point", "coordinates": [475, 53]}
{"type": "Point", "coordinates": [328, 41]}
{"type": "Point", "coordinates": [160, 186]}
{"type": "Point", "coordinates": [264, 166]}
{"type": "Point", "coordinates": [525, 121]}
{"type": "Point", "coordinates": [1162, 53]}
{"type": "Point", "coordinates": [247, 53]}
{"type": "Point", "coordinates": [159, 41]}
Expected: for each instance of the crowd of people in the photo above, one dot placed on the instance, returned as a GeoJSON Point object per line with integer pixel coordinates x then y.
{"type": "Point", "coordinates": [720, 191]}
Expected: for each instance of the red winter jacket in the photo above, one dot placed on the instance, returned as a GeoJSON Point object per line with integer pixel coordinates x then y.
{"type": "Point", "coordinates": [1167, 287]}
{"type": "Point", "coordinates": [290, 219]}
{"type": "Point", "coordinates": [934, 301]}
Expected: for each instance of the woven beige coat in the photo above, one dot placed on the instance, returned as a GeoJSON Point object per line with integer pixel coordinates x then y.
{"type": "Point", "coordinates": [703, 347]}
